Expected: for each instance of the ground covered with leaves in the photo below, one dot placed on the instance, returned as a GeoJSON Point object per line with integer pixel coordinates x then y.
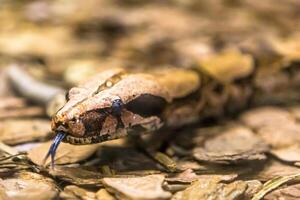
{"type": "Point", "coordinates": [253, 154]}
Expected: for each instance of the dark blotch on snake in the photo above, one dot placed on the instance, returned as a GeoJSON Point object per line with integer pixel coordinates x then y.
{"type": "Point", "coordinates": [147, 105]}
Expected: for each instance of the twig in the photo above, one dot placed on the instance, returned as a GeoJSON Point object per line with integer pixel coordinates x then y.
{"type": "Point", "coordinates": [30, 88]}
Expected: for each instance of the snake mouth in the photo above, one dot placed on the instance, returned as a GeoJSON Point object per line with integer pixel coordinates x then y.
{"type": "Point", "coordinates": [92, 139]}
{"type": "Point", "coordinates": [120, 133]}
{"type": "Point", "coordinates": [61, 136]}
{"type": "Point", "coordinates": [147, 125]}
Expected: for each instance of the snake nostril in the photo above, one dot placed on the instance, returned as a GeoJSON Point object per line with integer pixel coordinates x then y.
{"type": "Point", "coordinates": [62, 128]}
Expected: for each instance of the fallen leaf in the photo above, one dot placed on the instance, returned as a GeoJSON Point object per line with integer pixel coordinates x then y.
{"type": "Point", "coordinates": [228, 65]}
{"type": "Point", "coordinates": [265, 116]}
{"type": "Point", "coordinates": [188, 176]}
{"type": "Point", "coordinates": [66, 153]}
{"type": "Point", "coordinates": [234, 145]}
{"type": "Point", "coordinates": [75, 192]}
{"type": "Point", "coordinates": [125, 160]}
{"type": "Point", "coordinates": [213, 189]}
{"type": "Point", "coordinates": [17, 131]}
{"type": "Point", "coordinates": [31, 111]}
{"type": "Point", "coordinates": [253, 187]}
{"type": "Point", "coordinates": [137, 188]}
{"type": "Point", "coordinates": [288, 154]}
{"type": "Point", "coordinates": [12, 102]}
{"type": "Point", "coordinates": [78, 175]}
{"type": "Point", "coordinates": [273, 169]}
{"type": "Point", "coordinates": [102, 194]}
{"type": "Point", "coordinates": [280, 135]}
{"type": "Point", "coordinates": [28, 186]}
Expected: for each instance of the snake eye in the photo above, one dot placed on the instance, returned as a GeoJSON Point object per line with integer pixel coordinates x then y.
{"type": "Point", "coordinates": [117, 106]}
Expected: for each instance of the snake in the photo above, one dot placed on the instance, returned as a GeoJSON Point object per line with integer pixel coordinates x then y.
{"type": "Point", "coordinates": [117, 102]}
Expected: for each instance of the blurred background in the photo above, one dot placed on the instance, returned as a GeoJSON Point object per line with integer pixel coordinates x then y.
{"type": "Point", "coordinates": [63, 38]}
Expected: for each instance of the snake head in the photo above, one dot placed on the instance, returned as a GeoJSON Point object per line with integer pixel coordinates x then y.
{"type": "Point", "coordinates": [109, 106]}
{"type": "Point", "coordinates": [113, 104]}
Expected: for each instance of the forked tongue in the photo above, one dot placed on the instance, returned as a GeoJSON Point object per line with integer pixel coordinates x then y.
{"type": "Point", "coordinates": [52, 150]}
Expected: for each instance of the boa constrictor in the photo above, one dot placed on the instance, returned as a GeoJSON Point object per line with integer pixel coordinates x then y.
{"type": "Point", "coordinates": [116, 103]}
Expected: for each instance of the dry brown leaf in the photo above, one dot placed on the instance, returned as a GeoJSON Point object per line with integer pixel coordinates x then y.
{"type": "Point", "coordinates": [189, 176]}
{"type": "Point", "coordinates": [228, 65]}
{"type": "Point", "coordinates": [288, 154]}
{"type": "Point", "coordinates": [125, 160]}
{"type": "Point", "coordinates": [274, 169]}
{"type": "Point", "coordinates": [80, 70]}
{"type": "Point", "coordinates": [75, 192]}
{"type": "Point", "coordinates": [282, 134]}
{"type": "Point", "coordinates": [7, 149]}
{"type": "Point", "coordinates": [66, 153]}
{"type": "Point", "coordinates": [78, 175]}
{"type": "Point", "coordinates": [28, 186]}
{"type": "Point", "coordinates": [31, 111]}
{"type": "Point", "coordinates": [20, 131]}
{"type": "Point", "coordinates": [234, 145]}
{"type": "Point", "coordinates": [289, 48]}
{"type": "Point", "coordinates": [12, 102]}
{"type": "Point", "coordinates": [3, 194]}
{"type": "Point", "coordinates": [295, 111]}
{"type": "Point", "coordinates": [186, 165]}
{"type": "Point", "coordinates": [183, 139]}
{"type": "Point", "coordinates": [186, 82]}
{"type": "Point", "coordinates": [213, 189]}
{"type": "Point", "coordinates": [28, 42]}
{"type": "Point", "coordinates": [266, 116]}
{"type": "Point", "coordinates": [102, 194]}
{"type": "Point", "coordinates": [137, 188]}
{"type": "Point", "coordinates": [253, 187]}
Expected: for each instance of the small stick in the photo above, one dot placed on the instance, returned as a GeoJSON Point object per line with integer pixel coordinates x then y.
{"type": "Point", "coordinates": [30, 88]}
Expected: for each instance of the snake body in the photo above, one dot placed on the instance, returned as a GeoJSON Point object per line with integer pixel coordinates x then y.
{"type": "Point", "coordinates": [116, 103]}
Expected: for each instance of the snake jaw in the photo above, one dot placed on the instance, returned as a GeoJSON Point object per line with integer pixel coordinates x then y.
{"type": "Point", "coordinates": [144, 125]}
{"type": "Point", "coordinates": [95, 113]}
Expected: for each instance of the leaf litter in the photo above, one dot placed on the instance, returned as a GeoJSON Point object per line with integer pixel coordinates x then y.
{"type": "Point", "coordinates": [253, 155]}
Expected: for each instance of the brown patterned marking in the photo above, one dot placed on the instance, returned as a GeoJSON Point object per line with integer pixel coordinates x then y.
{"type": "Point", "coordinates": [93, 121]}
{"type": "Point", "coordinates": [147, 105]}
{"type": "Point", "coordinates": [110, 82]}
{"type": "Point", "coordinates": [107, 84]}
{"type": "Point", "coordinates": [87, 90]}
{"type": "Point", "coordinates": [109, 126]}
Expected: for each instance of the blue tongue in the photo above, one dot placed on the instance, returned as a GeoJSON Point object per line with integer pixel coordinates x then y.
{"type": "Point", "coordinates": [52, 150]}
